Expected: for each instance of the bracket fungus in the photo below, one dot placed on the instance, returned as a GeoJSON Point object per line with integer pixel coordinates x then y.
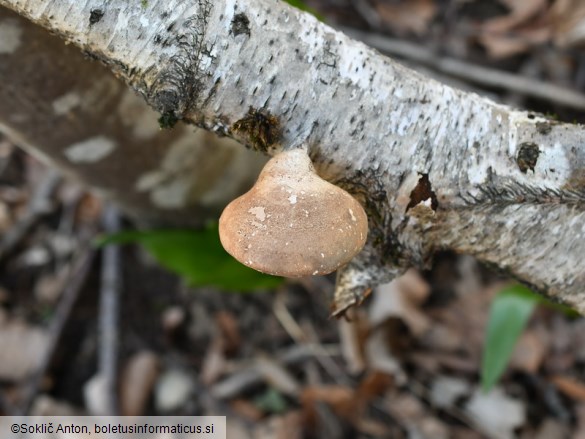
{"type": "Point", "coordinates": [292, 222]}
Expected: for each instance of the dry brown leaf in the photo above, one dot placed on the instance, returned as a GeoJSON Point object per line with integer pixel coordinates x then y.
{"type": "Point", "coordinates": [373, 428]}
{"type": "Point", "coordinates": [401, 298]}
{"type": "Point", "coordinates": [230, 332]}
{"type": "Point", "coordinates": [520, 12]}
{"type": "Point", "coordinates": [416, 289]}
{"type": "Point", "coordinates": [407, 16]}
{"type": "Point", "coordinates": [569, 386]}
{"type": "Point", "coordinates": [246, 409]}
{"type": "Point", "coordinates": [289, 426]}
{"type": "Point", "coordinates": [405, 406]}
{"type": "Point", "coordinates": [339, 398]}
{"type": "Point", "coordinates": [442, 338]}
{"type": "Point", "coordinates": [137, 381]}
{"type": "Point", "coordinates": [526, 25]}
{"type": "Point", "coordinates": [373, 385]}
{"type": "Point", "coordinates": [426, 361]}
{"type": "Point", "coordinates": [431, 427]}
{"type": "Point", "coordinates": [568, 21]}
{"type": "Point", "coordinates": [501, 46]}
{"type": "Point", "coordinates": [529, 352]}
{"type": "Point", "coordinates": [89, 209]}
{"type": "Point", "coordinates": [412, 413]}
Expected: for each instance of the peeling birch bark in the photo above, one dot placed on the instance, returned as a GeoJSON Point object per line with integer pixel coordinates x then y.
{"type": "Point", "coordinates": [435, 167]}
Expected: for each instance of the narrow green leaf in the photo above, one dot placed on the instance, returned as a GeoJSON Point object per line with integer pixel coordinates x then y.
{"type": "Point", "coordinates": [198, 257]}
{"type": "Point", "coordinates": [509, 314]}
{"type": "Point", "coordinates": [271, 401]}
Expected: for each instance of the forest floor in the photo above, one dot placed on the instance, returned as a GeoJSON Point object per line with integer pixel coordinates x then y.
{"type": "Point", "coordinates": [406, 364]}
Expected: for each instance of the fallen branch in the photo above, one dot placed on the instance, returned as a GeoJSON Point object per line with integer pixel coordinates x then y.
{"type": "Point", "coordinates": [436, 168]}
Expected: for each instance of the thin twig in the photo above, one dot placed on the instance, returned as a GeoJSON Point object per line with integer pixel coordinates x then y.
{"type": "Point", "coordinates": [39, 205]}
{"type": "Point", "coordinates": [79, 273]}
{"type": "Point", "coordinates": [301, 337]}
{"type": "Point", "coordinates": [249, 377]}
{"type": "Point", "coordinates": [109, 311]}
{"type": "Point", "coordinates": [368, 13]}
{"type": "Point", "coordinates": [470, 72]}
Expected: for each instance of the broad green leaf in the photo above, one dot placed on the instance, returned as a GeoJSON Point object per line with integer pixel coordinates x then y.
{"type": "Point", "coordinates": [509, 314]}
{"type": "Point", "coordinates": [198, 257]}
{"type": "Point", "coordinates": [300, 4]}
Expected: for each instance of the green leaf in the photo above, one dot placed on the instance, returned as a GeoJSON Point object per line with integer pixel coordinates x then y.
{"type": "Point", "coordinates": [509, 314]}
{"type": "Point", "coordinates": [198, 257]}
{"type": "Point", "coordinates": [271, 401]}
{"type": "Point", "coordinates": [300, 4]}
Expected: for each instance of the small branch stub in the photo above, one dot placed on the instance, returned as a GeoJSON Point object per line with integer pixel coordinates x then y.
{"type": "Point", "coordinates": [292, 222]}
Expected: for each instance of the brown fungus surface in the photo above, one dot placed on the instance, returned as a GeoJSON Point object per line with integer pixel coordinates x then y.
{"type": "Point", "coordinates": [292, 222]}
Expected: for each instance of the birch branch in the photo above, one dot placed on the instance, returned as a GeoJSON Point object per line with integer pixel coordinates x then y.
{"type": "Point", "coordinates": [435, 167]}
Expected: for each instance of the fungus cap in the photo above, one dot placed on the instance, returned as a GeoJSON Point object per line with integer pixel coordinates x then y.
{"type": "Point", "coordinates": [292, 222]}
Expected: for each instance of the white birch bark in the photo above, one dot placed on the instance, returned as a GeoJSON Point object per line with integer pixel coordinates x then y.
{"type": "Point", "coordinates": [503, 185]}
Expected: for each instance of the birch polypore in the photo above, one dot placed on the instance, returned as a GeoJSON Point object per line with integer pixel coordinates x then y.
{"type": "Point", "coordinates": [292, 222]}
{"type": "Point", "coordinates": [436, 168]}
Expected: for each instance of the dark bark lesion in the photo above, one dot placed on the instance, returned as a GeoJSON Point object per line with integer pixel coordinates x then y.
{"type": "Point", "coordinates": [527, 156]}
{"type": "Point", "coordinates": [260, 128]}
{"type": "Point", "coordinates": [95, 16]}
{"type": "Point", "coordinates": [176, 88]}
{"type": "Point", "coordinates": [240, 25]}
{"type": "Point", "coordinates": [422, 192]}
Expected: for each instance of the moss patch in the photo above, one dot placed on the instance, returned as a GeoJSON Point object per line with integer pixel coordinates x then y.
{"type": "Point", "coordinates": [167, 120]}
